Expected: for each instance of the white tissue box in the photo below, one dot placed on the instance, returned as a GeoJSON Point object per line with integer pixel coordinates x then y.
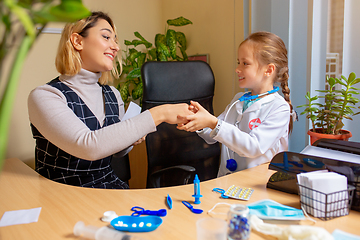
{"type": "Point", "coordinates": [326, 205]}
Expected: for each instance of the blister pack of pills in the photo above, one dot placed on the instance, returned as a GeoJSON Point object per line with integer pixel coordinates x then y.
{"type": "Point", "coordinates": [238, 192]}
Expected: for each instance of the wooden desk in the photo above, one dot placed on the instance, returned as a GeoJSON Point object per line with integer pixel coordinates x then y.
{"type": "Point", "coordinates": [62, 205]}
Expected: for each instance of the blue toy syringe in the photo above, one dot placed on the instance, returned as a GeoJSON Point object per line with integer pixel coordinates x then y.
{"type": "Point", "coordinates": [197, 195]}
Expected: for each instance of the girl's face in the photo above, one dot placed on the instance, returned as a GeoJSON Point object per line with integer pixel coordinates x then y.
{"type": "Point", "coordinates": [99, 48]}
{"type": "Point", "coordinates": [251, 74]}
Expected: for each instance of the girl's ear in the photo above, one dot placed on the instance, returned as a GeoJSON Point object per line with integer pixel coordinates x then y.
{"type": "Point", "coordinates": [76, 41]}
{"type": "Point", "coordinates": [270, 69]}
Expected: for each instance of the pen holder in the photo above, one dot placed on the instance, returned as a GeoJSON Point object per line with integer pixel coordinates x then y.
{"type": "Point", "coordinates": [326, 205]}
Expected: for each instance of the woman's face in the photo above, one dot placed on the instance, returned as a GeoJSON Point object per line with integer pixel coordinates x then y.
{"type": "Point", "coordinates": [99, 48]}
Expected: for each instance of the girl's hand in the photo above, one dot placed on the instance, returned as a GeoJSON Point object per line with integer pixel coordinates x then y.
{"type": "Point", "coordinates": [193, 108]}
{"type": "Point", "coordinates": [201, 119]}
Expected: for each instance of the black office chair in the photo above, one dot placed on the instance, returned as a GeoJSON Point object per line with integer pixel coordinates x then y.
{"type": "Point", "coordinates": [175, 156]}
{"type": "Point", "coordinates": [121, 167]}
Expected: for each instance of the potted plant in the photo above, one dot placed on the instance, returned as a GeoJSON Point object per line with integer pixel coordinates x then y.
{"type": "Point", "coordinates": [21, 24]}
{"type": "Point", "coordinates": [165, 49]}
{"type": "Point", "coordinates": [326, 116]}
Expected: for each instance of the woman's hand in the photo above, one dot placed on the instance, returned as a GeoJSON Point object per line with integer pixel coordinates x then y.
{"type": "Point", "coordinates": [139, 141]}
{"type": "Point", "coordinates": [201, 119]}
{"type": "Point", "coordinates": [168, 113]}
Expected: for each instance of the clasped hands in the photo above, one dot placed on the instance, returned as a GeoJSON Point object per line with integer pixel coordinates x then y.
{"type": "Point", "coordinates": [190, 118]}
{"type": "Point", "coordinates": [199, 118]}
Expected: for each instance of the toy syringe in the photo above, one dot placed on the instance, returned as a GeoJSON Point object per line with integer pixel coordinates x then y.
{"type": "Point", "coordinates": [197, 195]}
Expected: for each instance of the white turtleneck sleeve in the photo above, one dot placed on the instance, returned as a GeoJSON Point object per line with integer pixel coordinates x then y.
{"type": "Point", "coordinates": [49, 113]}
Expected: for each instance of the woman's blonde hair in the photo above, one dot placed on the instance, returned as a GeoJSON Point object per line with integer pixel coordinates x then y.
{"type": "Point", "coordinates": [270, 49]}
{"type": "Point", "coordinates": [68, 60]}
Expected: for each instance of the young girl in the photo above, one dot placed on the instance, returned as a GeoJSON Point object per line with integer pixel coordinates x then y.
{"type": "Point", "coordinates": [76, 118]}
{"type": "Point", "coordinates": [255, 125]}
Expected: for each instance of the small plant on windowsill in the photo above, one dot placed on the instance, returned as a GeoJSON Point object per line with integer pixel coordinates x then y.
{"type": "Point", "coordinates": [327, 117]}
{"type": "Point", "coordinates": [130, 82]}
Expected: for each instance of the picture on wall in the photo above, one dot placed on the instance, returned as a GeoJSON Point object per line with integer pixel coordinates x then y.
{"type": "Point", "coordinates": [200, 57]}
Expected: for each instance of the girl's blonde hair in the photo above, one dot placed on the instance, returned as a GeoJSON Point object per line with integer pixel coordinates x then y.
{"type": "Point", "coordinates": [270, 49]}
{"type": "Point", "coordinates": [68, 60]}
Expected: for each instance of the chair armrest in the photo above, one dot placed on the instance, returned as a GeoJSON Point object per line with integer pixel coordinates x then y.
{"type": "Point", "coordinates": [184, 173]}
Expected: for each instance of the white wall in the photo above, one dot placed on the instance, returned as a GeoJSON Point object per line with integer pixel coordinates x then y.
{"type": "Point", "coordinates": [351, 59]}
{"type": "Point", "coordinates": [318, 46]}
{"type": "Point", "coordinates": [298, 59]}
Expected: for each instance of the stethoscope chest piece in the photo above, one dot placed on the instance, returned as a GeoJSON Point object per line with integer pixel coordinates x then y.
{"type": "Point", "coordinates": [231, 164]}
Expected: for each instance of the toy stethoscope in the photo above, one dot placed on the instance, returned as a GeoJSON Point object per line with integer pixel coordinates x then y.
{"type": "Point", "coordinates": [231, 164]}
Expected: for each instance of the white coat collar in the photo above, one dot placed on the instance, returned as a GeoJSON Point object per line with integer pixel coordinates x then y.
{"type": "Point", "coordinates": [258, 104]}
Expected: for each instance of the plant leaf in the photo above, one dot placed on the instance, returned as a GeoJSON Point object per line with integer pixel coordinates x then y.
{"type": "Point", "coordinates": [137, 92]}
{"type": "Point", "coordinates": [356, 81]}
{"type": "Point", "coordinates": [171, 42]}
{"type": "Point", "coordinates": [161, 56]}
{"type": "Point", "coordinates": [134, 43]}
{"type": "Point", "coordinates": [127, 43]}
{"type": "Point", "coordinates": [152, 54]}
{"type": "Point", "coordinates": [159, 38]}
{"type": "Point", "coordinates": [69, 11]}
{"type": "Point", "coordinates": [181, 39]}
{"type": "Point", "coordinates": [183, 52]}
{"type": "Point", "coordinates": [162, 48]}
{"type": "Point", "coordinates": [132, 58]}
{"type": "Point", "coordinates": [124, 92]}
{"type": "Point", "coordinates": [331, 82]}
{"type": "Point", "coordinates": [180, 21]}
{"type": "Point", "coordinates": [144, 41]}
{"type": "Point", "coordinates": [23, 17]}
{"type": "Point", "coordinates": [351, 78]}
{"type": "Point", "coordinates": [135, 73]}
{"type": "Point", "coordinates": [141, 59]}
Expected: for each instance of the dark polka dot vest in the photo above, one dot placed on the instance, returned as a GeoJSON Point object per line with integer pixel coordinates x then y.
{"type": "Point", "coordinates": [57, 165]}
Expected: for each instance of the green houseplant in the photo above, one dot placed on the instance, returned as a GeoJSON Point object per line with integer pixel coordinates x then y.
{"type": "Point", "coordinates": [165, 49]}
{"type": "Point", "coordinates": [327, 116]}
{"type": "Point", "coordinates": [22, 21]}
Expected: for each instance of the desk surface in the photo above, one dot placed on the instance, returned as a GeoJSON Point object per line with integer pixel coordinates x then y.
{"type": "Point", "coordinates": [62, 205]}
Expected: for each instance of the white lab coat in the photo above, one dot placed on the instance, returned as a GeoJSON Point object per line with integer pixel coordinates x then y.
{"type": "Point", "coordinates": [246, 139]}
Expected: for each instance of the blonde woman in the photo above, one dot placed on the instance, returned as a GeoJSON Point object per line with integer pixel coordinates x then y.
{"type": "Point", "coordinates": [76, 117]}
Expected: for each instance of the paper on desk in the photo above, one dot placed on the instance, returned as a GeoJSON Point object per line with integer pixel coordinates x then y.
{"type": "Point", "coordinates": [341, 235]}
{"type": "Point", "coordinates": [20, 217]}
{"type": "Point", "coordinates": [132, 111]}
{"type": "Point", "coordinates": [329, 153]}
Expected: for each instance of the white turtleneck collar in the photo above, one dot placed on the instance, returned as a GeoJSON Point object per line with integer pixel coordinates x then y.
{"type": "Point", "coordinates": [86, 86]}
{"type": "Point", "coordinates": [83, 77]}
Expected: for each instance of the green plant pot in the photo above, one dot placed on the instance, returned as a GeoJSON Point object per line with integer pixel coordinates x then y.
{"type": "Point", "coordinates": [314, 136]}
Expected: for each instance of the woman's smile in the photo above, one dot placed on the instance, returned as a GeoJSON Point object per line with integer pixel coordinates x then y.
{"type": "Point", "coordinates": [110, 55]}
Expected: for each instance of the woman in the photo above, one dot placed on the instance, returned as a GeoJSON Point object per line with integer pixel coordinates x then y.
{"type": "Point", "coordinates": [76, 117]}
